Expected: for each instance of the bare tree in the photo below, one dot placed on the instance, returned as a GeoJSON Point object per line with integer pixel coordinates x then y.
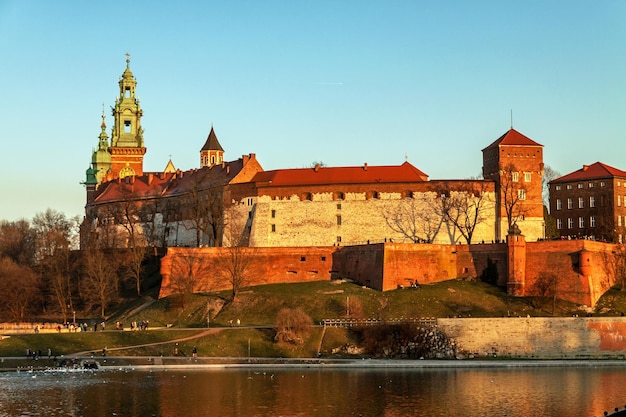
{"type": "Point", "coordinates": [238, 265]}
{"type": "Point", "coordinates": [17, 241]}
{"type": "Point", "coordinates": [512, 192]}
{"type": "Point", "coordinates": [467, 207]}
{"type": "Point", "coordinates": [415, 217]}
{"type": "Point", "coordinates": [549, 174]}
{"type": "Point", "coordinates": [20, 290]}
{"type": "Point", "coordinates": [615, 263]}
{"type": "Point", "coordinates": [100, 278]}
{"type": "Point", "coordinates": [546, 286]}
{"type": "Point", "coordinates": [126, 212]}
{"type": "Point", "coordinates": [132, 264]}
{"type": "Point", "coordinates": [55, 237]}
{"type": "Point", "coordinates": [202, 208]}
{"type": "Point", "coordinates": [189, 271]}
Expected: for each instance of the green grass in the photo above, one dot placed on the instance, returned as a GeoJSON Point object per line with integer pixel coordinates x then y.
{"type": "Point", "coordinates": [259, 306]}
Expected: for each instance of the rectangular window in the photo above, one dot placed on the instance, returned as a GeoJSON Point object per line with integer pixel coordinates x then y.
{"type": "Point", "coordinates": [581, 222]}
{"type": "Point", "coordinates": [515, 176]}
{"type": "Point", "coordinates": [590, 185]}
{"type": "Point", "coordinates": [559, 224]}
{"type": "Point", "coordinates": [602, 184]}
{"type": "Point", "coordinates": [619, 221]}
{"type": "Point", "coordinates": [558, 188]}
{"type": "Point", "coordinates": [570, 223]}
{"type": "Point", "coordinates": [619, 201]}
{"type": "Point", "coordinates": [581, 202]}
{"type": "Point", "coordinates": [338, 206]}
{"type": "Point", "coordinates": [273, 214]}
{"type": "Point", "coordinates": [521, 194]}
{"type": "Point", "coordinates": [581, 185]}
{"type": "Point", "coordinates": [570, 203]}
{"type": "Point", "coordinates": [592, 201]}
{"type": "Point", "coordinates": [569, 186]}
{"type": "Point", "coordinates": [338, 220]}
{"type": "Point", "coordinates": [302, 258]}
{"type": "Point", "coordinates": [126, 126]}
{"type": "Point", "coordinates": [273, 228]}
{"type": "Point", "coordinates": [592, 221]}
{"type": "Point", "coordinates": [338, 239]}
{"type": "Point", "coordinates": [559, 204]}
{"type": "Point", "coordinates": [527, 176]}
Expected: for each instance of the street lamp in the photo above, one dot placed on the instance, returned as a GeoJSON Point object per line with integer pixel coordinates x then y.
{"type": "Point", "coordinates": [74, 313]}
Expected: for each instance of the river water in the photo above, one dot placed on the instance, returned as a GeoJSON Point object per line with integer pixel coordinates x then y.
{"type": "Point", "coordinates": [272, 391]}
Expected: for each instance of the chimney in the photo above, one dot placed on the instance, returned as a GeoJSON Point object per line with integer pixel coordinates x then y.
{"type": "Point", "coordinates": [585, 167]}
{"type": "Point", "coordinates": [150, 178]}
{"type": "Point", "coordinates": [365, 166]}
{"type": "Point", "coordinates": [317, 167]}
{"type": "Point", "coordinates": [223, 164]}
{"type": "Point", "coordinates": [227, 169]}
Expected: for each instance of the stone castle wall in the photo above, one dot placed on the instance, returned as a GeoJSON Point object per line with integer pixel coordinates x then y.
{"type": "Point", "coordinates": [321, 219]}
{"type": "Point", "coordinates": [540, 338]}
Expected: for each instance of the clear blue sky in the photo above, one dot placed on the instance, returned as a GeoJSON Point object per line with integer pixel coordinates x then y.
{"type": "Point", "coordinates": [343, 82]}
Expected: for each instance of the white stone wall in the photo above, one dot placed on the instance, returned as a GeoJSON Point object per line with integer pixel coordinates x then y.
{"type": "Point", "coordinates": [292, 222]}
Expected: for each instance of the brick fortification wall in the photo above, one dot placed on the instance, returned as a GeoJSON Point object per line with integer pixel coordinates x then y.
{"type": "Point", "coordinates": [541, 338]}
{"type": "Point", "coordinates": [267, 266]}
{"type": "Point", "coordinates": [583, 267]}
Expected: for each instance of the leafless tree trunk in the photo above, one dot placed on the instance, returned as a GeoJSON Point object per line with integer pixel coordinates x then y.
{"type": "Point", "coordinates": [100, 278]}
{"type": "Point", "coordinates": [512, 192]}
{"type": "Point", "coordinates": [416, 218]}
{"type": "Point", "coordinates": [467, 208]}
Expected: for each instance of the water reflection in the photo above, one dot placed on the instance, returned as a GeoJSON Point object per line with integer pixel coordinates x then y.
{"type": "Point", "coordinates": [316, 392]}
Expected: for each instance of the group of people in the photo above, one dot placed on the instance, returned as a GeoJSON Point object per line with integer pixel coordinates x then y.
{"type": "Point", "coordinates": [142, 325]}
{"type": "Point", "coordinates": [36, 354]}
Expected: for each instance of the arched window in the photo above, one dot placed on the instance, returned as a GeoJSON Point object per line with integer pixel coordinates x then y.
{"type": "Point", "coordinates": [338, 195]}
{"type": "Point", "coordinates": [375, 195]}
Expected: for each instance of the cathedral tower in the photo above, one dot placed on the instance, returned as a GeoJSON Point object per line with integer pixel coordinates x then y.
{"type": "Point", "coordinates": [127, 147]}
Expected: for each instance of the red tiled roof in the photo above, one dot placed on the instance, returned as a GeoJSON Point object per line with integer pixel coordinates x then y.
{"type": "Point", "coordinates": [150, 185]}
{"type": "Point", "coordinates": [340, 175]}
{"type": "Point", "coordinates": [593, 171]}
{"type": "Point", "coordinates": [139, 187]}
{"type": "Point", "coordinates": [513, 137]}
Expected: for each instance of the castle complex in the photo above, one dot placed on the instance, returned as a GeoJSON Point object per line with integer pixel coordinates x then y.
{"type": "Point", "coordinates": [383, 226]}
{"type": "Point", "coordinates": [223, 203]}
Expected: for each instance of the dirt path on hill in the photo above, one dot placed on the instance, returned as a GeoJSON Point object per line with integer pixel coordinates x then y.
{"type": "Point", "coordinates": [183, 339]}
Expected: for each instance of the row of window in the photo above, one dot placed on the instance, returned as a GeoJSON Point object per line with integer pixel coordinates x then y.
{"type": "Point", "coordinates": [581, 185]}
{"type": "Point", "coordinates": [570, 202]}
{"type": "Point", "coordinates": [581, 202]}
{"type": "Point", "coordinates": [581, 222]}
{"type": "Point", "coordinates": [515, 176]}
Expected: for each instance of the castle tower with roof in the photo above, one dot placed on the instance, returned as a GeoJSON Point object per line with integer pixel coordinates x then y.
{"type": "Point", "coordinates": [515, 163]}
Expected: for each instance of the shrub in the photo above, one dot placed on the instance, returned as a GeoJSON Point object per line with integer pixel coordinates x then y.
{"type": "Point", "coordinates": [292, 326]}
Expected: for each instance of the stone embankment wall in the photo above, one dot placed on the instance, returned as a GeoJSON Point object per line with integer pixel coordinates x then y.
{"type": "Point", "coordinates": [539, 338]}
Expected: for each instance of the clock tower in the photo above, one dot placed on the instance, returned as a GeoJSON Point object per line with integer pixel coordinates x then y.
{"type": "Point", "coordinates": [127, 147]}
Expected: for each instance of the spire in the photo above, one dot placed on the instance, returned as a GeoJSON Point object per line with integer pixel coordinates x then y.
{"type": "Point", "coordinates": [212, 152]}
{"type": "Point", "coordinates": [212, 144]}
